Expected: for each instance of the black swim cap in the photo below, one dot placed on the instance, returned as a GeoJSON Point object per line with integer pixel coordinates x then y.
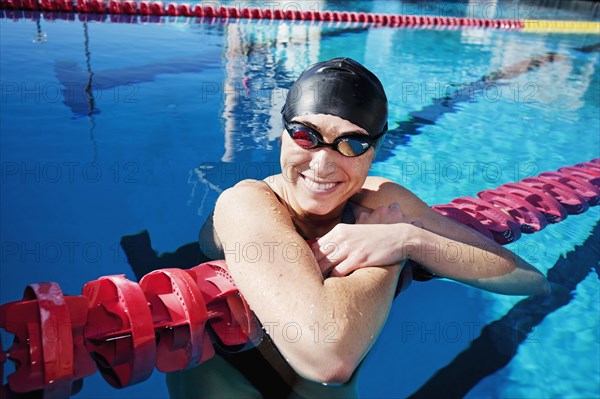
{"type": "Point", "coordinates": [340, 87]}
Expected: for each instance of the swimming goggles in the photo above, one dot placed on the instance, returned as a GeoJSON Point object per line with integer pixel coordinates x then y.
{"type": "Point", "coordinates": [349, 146]}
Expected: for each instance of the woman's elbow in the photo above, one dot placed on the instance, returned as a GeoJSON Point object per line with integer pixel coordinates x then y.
{"type": "Point", "coordinates": [532, 285]}
{"type": "Point", "coordinates": [518, 282]}
{"type": "Point", "coordinates": [527, 279]}
{"type": "Point", "coordinates": [329, 363]}
{"type": "Point", "coordinates": [542, 287]}
{"type": "Point", "coordinates": [333, 371]}
{"type": "Point", "coordinates": [536, 283]}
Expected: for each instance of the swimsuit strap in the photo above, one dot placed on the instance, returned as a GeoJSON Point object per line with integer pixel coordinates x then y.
{"type": "Point", "coordinates": [348, 214]}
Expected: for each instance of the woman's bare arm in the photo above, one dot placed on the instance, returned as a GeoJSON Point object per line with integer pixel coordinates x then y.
{"type": "Point", "coordinates": [322, 327]}
{"type": "Point", "coordinates": [444, 247]}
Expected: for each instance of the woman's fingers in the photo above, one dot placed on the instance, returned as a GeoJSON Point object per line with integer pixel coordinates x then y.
{"type": "Point", "coordinates": [326, 253]}
{"type": "Point", "coordinates": [323, 248]}
{"type": "Point", "coordinates": [343, 269]}
{"type": "Point", "coordinates": [363, 218]}
{"type": "Point", "coordinates": [316, 250]}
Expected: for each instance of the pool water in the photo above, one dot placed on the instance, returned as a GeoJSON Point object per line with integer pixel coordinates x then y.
{"type": "Point", "coordinates": [179, 110]}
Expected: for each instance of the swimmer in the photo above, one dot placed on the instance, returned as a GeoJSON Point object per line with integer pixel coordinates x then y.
{"type": "Point", "coordinates": [320, 251]}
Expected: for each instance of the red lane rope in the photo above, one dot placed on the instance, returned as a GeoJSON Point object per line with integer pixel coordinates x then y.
{"type": "Point", "coordinates": [122, 328]}
{"type": "Point", "coordinates": [158, 8]}
{"type": "Point", "coordinates": [514, 208]}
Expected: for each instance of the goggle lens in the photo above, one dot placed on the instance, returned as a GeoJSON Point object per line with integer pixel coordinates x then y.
{"type": "Point", "coordinates": [307, 138]}
{"type": "Point", "coordinates": [303, 138]}
{"type": "Point", "coordinates": [352, 147]}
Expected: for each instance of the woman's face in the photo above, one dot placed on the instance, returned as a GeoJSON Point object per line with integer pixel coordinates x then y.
{"type": "Point", "coordinates": [320, 180]}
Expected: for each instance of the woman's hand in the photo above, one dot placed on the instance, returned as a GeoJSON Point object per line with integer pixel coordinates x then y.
{"type": "Point", "coordinates": [376, 240]}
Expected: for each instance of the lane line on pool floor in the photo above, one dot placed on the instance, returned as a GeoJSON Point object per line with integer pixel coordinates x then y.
{"type": "Point", "coordinates": [466, 93]}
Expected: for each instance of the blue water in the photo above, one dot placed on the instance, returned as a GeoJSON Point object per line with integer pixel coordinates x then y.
{"type": "Point", "coordinates": [181, 110]}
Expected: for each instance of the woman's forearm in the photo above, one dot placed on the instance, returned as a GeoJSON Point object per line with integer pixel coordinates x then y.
{"type": "Point", "coordinates": [327, 339]}
{"type": "Point", "coordinates": [482, 264]}
{"type": "Point", "coordinates": [363, 300]}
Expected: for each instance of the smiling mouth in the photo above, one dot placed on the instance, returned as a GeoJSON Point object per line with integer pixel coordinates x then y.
{"type": "Point", "coordinates": [318, 186]}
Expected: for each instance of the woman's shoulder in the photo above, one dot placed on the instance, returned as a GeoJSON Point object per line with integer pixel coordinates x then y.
{"type": "Point", "coordinates": [246, 197]}
{"type": "Point", "coordinates": [247, 187]}
{"type": "Point", "coordinates": [250, 207]}
{"type": "Point", "coordinates": [379, 191]}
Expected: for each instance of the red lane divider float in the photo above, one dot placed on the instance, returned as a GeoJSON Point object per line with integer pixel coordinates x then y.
{"type": "Point", "coordinates": [158, 8]}
{"type": "Point", "coordinates": [126, 329]}
{"type": "Point", "coordinates": [572, 200]}
{"type": "Point", "coordinates": [48, 350]}
{"type": "Point", "coordinates": [545, 203]}
{"type": "Point", "coordinates": [578, 184]}
{"type": "Point", "coordinates": [590, 175]}
{"type": "Point", "coordinates": [180, 315]}
{"type": "Point", "coordinates": [503, 228]}
{"type": "Point", "coordinates": [119, 333]}
{"type": "Point", "coordinates": [526, 206]}
{"type": "Point", "coordinates": [528, 217]}
{"type": "Point", "coordinates": [227, 314]}
{"type": "Point", "coordinates": [122, 328]}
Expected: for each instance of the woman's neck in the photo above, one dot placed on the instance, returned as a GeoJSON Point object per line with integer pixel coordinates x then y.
{"type": "Point", "coordinates": [308, 225]}
{"type": "Point", "coordinates": [311, 226]}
